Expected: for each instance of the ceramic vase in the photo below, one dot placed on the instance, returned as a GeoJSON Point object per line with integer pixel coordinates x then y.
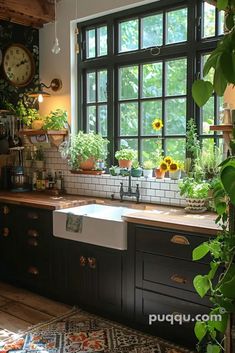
{"type": "Point", "coordinates": [175, 175]}
{"type": "Point", "coordinates": [196, 204]}
{"type": "Point", "coordinates": [147, 173]}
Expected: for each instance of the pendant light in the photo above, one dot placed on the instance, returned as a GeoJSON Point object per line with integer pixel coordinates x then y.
{"type": "Point", "coordinates": [56, 47]}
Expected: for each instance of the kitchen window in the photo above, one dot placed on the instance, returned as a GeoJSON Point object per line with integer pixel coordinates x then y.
{"type": "Point", "coordinates": [138, 65]}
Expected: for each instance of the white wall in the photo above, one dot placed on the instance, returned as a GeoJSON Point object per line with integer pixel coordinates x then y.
{"type": "Point", "coordinates": [64, 63]}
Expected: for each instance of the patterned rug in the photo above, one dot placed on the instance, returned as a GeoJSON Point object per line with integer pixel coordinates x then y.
{"type": "Point", "coordinates": [80, 332]}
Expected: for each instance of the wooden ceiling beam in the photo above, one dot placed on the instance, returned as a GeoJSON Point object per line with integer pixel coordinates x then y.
{"type": "Point", "coordinates": [30, 8]}
{"type": "Point", "coordinates": [20, 19]}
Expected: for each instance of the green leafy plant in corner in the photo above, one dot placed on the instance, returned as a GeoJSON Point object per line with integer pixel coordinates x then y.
{"type": "Point", "coordinates": [26, 114]}
{"type": "Point", "coordinates": [190, 188]}
{"type": "Point", "coordinates": [221, 61]}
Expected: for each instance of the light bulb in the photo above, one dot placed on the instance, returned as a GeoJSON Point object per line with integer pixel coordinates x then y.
{"type": "Point", "coordinates": [56, 48]}
{"type": "Point", "coordinates": [40, 98]}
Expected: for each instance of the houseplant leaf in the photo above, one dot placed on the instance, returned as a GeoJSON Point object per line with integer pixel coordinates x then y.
{"type": "Point", "coordinates": [222, 4]}
{"type": "Point", "coordinates": [220, 82]}
{"type": "Point", "coordinates": [201, 91]}
{"type": "Point", "coordinates": [200, 251]}
{"type": "Point", "coordinates": [213, 348]}
{"type": "Point", "coordinates": [228, 181]}
{"type": "Point", "coordinates": [200, 330]}
{"type": "Point", "coordinates": [201, 284]}
{"type": "Point", "coordinates": [226, 64]}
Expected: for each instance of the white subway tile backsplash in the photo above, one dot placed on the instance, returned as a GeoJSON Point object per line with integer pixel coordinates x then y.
{"type": "Point", "coordinates": [161, 191]}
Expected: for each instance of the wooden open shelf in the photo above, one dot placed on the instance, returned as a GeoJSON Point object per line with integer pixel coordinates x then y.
{"type": "Point", "coordinates": [226, 128]}
{"type": "Point", "coordinates": [55, 136]}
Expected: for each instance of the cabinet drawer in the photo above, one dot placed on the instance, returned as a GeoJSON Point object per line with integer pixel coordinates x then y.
{"type": "Point", "coordinates": [158, 304]}
{"type": "Point", "coordinates": [169, 243]}
{"type": "Point", "coordinates": [154, 269]}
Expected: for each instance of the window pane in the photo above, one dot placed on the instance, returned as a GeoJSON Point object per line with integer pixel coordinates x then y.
{"type": "Point", "coordinates": [102, 41]}
{"type": "Point", "coordinates": [129, 35]}
{"type": "Point", "coordinates": [152, 80]}
{"type": "Point", "coordinates": [175, 121]}
{"type": "Point", "coordinates": [91, 43]}
{"type": "Point", "coordinates": [91, 118]}
{"type": "Point", "coordinates": [102, 86]}
{"type": "Point", "coordinates": [176, 26]}
{"type": "Point", "coordinates": [129, 143]}
{"type": "Point", "coordinates": [102, 120]}
{"type": "Point", "coordinates": [208, 20]}
{"type": "Point", "coordinates": [221, 23]}
{"type": "Point", "coordinates": [128, 82]}
{"type": "Point", "coordinates": [176, 72]}
{"type": "Point", "coordinates": [208, 116]}
{"type": "Point", "coordinates": [152, 27]}
{"type": "Point", "coordinates": [91, 87]}
{"type": "Point", "coordinates": [150, 149]}
{"type": "Point", "coordinates": [150, 110]}
{"type": "Point", "coordinates": [176, 148]}
{"type": "Point", "coordinates": [129, 119]}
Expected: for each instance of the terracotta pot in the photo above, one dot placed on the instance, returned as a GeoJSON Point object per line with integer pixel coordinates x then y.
{"type": "Point", "coordinates": [160, 174]}
{"type": "Point", "coordinates": [124, 163]}
{"type": "Point", "coordinates": [88, 164]}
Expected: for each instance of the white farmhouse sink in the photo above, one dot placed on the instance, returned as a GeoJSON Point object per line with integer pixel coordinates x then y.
{"type": "Point", "coordinates": [100, 225]}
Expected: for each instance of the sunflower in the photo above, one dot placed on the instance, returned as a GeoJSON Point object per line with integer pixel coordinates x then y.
{"type": "Point", "coordinates": [163, 166]}
{"type": "Point", "coordinates": [168, 160]}
{"type": "Point", "coordinates": [174, 166]}
{"type": "Point", "coordinates": [157, 124]}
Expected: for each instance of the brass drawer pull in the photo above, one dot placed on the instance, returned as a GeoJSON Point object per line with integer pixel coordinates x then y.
{"type": "Point", "coordinates": [91, 262]}
{"type": "Point", "coordinates": [32, 270]}
{"type": "Point", "coordinates": [180, 239]}
{"type": "Point", "coordinates": [32, 242]}
{"type": "Point", "coordinates": [179, 279]}
{"type": "Point", "coordinates": [82, 261]}
{"type": "Point", "coordinates": [32, 233]}
{"type": "Point", "coordinates": [6, 232]}
{"type": "Point", "coordinates": [33, 215]}
{"type": "Point", "coordinates": [5, 210]}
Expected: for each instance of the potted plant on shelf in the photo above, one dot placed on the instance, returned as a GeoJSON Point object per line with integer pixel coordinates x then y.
{"type": "Point", "coordinates": [136, 170]}
{"type": "Point", "coordinates": [114, 170]}
{"type": "Point", "coordinates": [39, 158]}
{"type": "Point", "coordinates": [148, 169]}
{"type": "Point", "coordinates": [195, 192]}
{"type": "Point", "coordinates": [86, 149]}
{"type": "Point", "coordinates": [125, 157]}
{"type": "Point", "coordinates": [56, 120]}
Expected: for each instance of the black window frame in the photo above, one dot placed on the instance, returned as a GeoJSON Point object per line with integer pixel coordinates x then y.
{"type": "Point", "coordinates": [192, 49]}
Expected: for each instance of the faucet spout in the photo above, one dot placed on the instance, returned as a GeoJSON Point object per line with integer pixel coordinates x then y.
{"type": "Point", "coordinates": [129, 191]}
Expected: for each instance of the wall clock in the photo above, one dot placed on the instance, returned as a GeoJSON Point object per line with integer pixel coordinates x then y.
{"type": "Point", "coordinates": [18, 65]}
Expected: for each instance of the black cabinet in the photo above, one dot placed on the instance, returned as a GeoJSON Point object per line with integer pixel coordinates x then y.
{"type": "Point", "coordinates": [160, 261]}
{"type": "Point", "coordinates": [89, 276]}
{"type": "Point", "coordinates": [26, 247]}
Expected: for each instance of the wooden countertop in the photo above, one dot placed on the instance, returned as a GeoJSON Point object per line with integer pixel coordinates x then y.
{"type": "Point", "coordinates": [146, 214]}
{"type": "Point", "coordinates": [41, 200]}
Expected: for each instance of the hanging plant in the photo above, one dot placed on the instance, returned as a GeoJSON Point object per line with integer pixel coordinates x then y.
{"type": "Point", "coordinates": [221, 60]}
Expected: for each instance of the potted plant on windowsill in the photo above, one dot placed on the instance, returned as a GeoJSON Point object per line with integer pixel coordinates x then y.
{"type": "Point", "coordinates": [148, 169]}
{"type": "Point", "coordinates": [125, 157]}
{"type": "Point", "coordinates": [136, 170]}
{"type": "Point", "coordinates": [86, 149]}
{"type": "Point", "coordinates": [196, 194]}
{"type": "Point", "coordinates": [175, 169]}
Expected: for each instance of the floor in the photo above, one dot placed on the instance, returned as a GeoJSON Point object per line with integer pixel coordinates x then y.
{"type": "Point", "coordinates": [20, 309]}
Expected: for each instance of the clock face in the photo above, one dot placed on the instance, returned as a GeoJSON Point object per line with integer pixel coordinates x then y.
{"type": "Point", "coordinates": [18, 65]}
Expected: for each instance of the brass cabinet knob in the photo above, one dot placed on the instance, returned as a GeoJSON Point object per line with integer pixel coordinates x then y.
{"type": "Point", "coordinates": [91, 262]}
{"type": "Point", "coordinates": [179, 279]}
{"type": "Point", "coordinates": [6, 232]}
{"type": "Point", "coordinates": [82, 261]}
{"type": "Point", "coordinates": [180, 240]}
{"type": "Point", "coordinates": [5, 210]}
{"type": "Point", "coordinates": [32, 242]}
{"type": "Point", "coordinates": [33, 215]}
{"type": "Point", "coordinates": [33, 233]}
{"type": "Point", "coordinates": [32, 270]}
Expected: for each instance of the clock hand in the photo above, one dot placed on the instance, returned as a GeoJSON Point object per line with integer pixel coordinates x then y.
{"type": "Point", "coordinates": [22, 63]}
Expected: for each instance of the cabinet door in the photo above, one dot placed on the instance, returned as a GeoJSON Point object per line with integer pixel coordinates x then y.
{"type": "Point", "coordinates": [109, 271]}
{"type": "Point", "coordinates": [10, 254]}
{"type": "Point", "coordinates": [150, 303]}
